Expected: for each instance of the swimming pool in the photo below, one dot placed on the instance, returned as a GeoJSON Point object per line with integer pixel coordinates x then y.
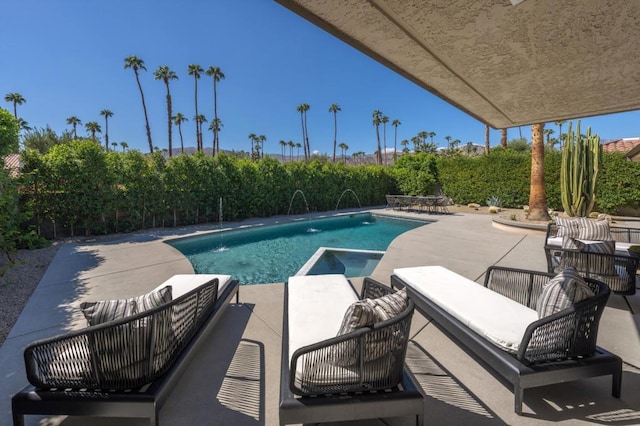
{"type": "Point", "coordinates": [269, 254]}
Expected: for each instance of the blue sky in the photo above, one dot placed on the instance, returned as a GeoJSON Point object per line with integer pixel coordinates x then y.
{"type": "Point", "coordinates": [66, 57]}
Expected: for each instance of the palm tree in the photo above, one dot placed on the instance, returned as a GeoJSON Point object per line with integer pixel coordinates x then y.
{"type": "Point", "coordinates": [138, 64]}
{"type": "Point", "coordinates": [486, 139]}
{"type": "Point", "coordinates": [165, 74]}
{"type": "Point", "coordinates": [548, 133]}
{"type": "Point", "coordinates": [377, 119]}
{"type": "Point", "coordinates": [344, 147]}
{"type": "Point", "coordinates": [16, 99]}
{"type": "Point", "coordinates": [559, 123]}
{"type": "Point", "coordinates": [283, 145]}
{"type": "Point", "coordinates": [199, 119]}
{"type": "Point", "coordinates": [262, 139]}
{"type": "Point", "coordinates": [254, 139]}
{"type": "Point", "coordinates": [74, 121]}
{"type": "Point", "coordinates": [217, 75]}
{"type": "Point", "coordinates": [195, 70]}
{"type": "Point", "coordinates": [23, 125]}
{"type": "Point", "coordinates": [302, 109]}
{"type": "Point", "coordinates": [503, 137]}
{"type": "Point", "coordinates": [431, 135]}
{"type": "Point", "coordinates": [94, 128]}
{"type": "Point", "coordinates": [334, 108]}
{"type": "Point", "coordinates": [291, 145]}
{"type": "Point", "coordinates": [298, 145]}
{"type": "Point", "coordinates": [537, 197]}
{"type": "Point", "coordinates": [405, 146]}
{"type": "Point", "coordinates": [384, 120]}
{"type": "Point", "coordinates": [416, 143]}
{"type": "Point", "coordinates": [449, 147]}
{"type": "Point", "coordinates": [124, 145]}
{"type": "Point", "coordinates": [215, 126]}
{"type": "Point", "coordinates": [115, 145]}
{"type": "Point", "coordinates": [178, 119]}
{"type": "Point", "coordinates": [395, 123]}
{"type": "Point", "coordinates": [106, 114]}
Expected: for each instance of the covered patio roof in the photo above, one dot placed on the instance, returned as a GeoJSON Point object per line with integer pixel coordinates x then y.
{"type": "Point", "coordinates": [506, 63]}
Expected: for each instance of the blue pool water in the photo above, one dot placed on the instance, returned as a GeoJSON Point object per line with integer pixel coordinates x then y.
{"type": "Point", "coordinates": [269, 254]}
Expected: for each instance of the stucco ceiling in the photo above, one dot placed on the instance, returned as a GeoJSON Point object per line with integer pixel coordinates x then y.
{"type": "Point", "coordinates": [507, 65]}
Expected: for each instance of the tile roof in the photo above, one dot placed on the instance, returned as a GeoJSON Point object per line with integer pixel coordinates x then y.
{"type": "Point", "coordinates": [621, 145]}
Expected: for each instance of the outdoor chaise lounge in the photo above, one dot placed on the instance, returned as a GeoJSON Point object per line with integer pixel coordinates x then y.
{"type": "Point", "coordinates": [506, 325]}
{"type": "Point", "coordinates": [343, 356]}
{"type": "Point", "coordinates": [124, 367]}
{"type": "Point", "coordinates": [596, 250]}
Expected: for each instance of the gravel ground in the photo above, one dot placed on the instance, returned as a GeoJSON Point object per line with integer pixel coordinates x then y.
{"type": "Point", "coordinates": [17, 282]}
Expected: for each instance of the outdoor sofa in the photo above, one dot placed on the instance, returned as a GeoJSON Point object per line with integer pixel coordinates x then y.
{"type": "Point", "coordinates": [340, 360]}
{"type": "Point", "coordinates": [498, 324]}
{"type": "Point", "coordinates": [596, 250]}
{"type": "Point", "coordinates": [124, 367]}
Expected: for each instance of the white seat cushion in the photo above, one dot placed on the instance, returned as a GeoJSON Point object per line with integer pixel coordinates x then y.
{"type": "Point", "coordinates": [184, 283]}
{"type": "Point", "coordinates": [622, 248]}
{"type": "Point", "coordinates": [497, 318]}
{"type": "Point", "coordinates": [317, 304]}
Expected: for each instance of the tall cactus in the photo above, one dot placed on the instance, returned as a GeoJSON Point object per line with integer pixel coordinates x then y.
{"type": "Point", "coordinates": [581, 162]}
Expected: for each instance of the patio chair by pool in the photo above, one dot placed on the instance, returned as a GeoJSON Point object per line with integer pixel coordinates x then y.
{"type": "Point", "coordinates": [357, 373]}
{"type": "Point", "coordinates": [128, 366]}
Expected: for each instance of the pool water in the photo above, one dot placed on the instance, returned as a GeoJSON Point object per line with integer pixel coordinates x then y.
{"type": "Point", "coordinates": [271, 254]}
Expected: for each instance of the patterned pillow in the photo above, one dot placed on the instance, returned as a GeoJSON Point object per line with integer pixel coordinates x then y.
{"type": "Point", "coordinates": [601, 265]}
{"type": "Point", "coordinates": [566, 227]}
{"type": "Point", "coordinates": [108, 310]}
{"type": "Point", "coordinates": [597, 230]}
{"type": "Point", "coordinates": [561, 292]}
{"type": "Point", "coordinates": [365, 313]}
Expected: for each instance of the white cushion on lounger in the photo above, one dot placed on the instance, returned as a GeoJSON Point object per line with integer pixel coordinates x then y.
{"type": "Point", "coordinates": [317, 304]}
{"type": "Point", "coordinates": [497, 318]}
{"type": "Point", "coordinates": [184, 283]}
{"type": "Point", "coordinates": [622, 248]}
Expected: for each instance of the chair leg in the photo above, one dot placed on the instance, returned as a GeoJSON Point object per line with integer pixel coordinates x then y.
{"type": "Point", "coordinates": [616, 385]}
{"type": "Point", "coordinates": [628, 304]}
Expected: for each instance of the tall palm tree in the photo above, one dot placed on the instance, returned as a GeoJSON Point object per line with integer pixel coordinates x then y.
{"type": "Point", "coordinates": [384, 120]}
{"type": "Point", "coordinates": [124, 145]}
{"type": "Point", "coordinates": [253, 138]}
{"type": "Point", "coordinates": [377, 119]}
{"type": "Point", "coordinates": [431, 135]}
{"type": "Point", "coordinates": [195, 70]}
{"type": "Point", "coordinates": [23, 124]}
{"type": "Point", "coordinates": [215, 126]}
{"type": "Point", "coordinates": [537, 197]}
{"type": "Point", "coordinates": [178, 119]}
{"type": "Point", "coordinates": [302, 109]}
{"type": "Point", "coordinates": [486, 139]}
{"type": "Point", "coordinates": [136, 64]}
{"type": "Point", "coordinates": [395, 123]}
{"type": "Point", "coordinates": [291, 145]}
{"type": "Point", "coordinates": [16, 99]}
{"type": "Point", "coordinates": [503, 137]}
{"type": "Point", "coordinates": [344, 147]}
{"type": "Point", "coordinates": [298, 145]}
{"type": "Point", "coordinates": [199, 119]}
{"type": "Point", "coordinates": [74, 121]}
{"type": "Point", "coordinates": [262, 139]}
{"type": "Point", "coordinates": [106, 114]}
{"type": "Point", "coordinates": [405, 146]}
{"type": "Point", "coordinates": [449, 146]}
{"type": "Point", "coordinates": [217, 75]}
{"type": "Point", "coordinates": [334, 108]}
{"type": "Point", "coordinates": [283, 145]}
{"type": "Point", "coordinates": [165, 74]}
{"type": "Point", "coordinates": [94, 128]}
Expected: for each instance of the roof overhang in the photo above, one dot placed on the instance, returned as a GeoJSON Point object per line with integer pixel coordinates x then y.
{"type": "Point", "coordinates": [506, 65]}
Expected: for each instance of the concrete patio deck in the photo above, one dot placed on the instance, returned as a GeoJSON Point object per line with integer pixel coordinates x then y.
{"type": "Point", "coordinates": [235, 379]}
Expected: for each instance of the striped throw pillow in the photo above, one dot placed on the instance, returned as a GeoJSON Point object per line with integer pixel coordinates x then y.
{"type": "Point", "coordinates": [108, 310]}
{"type": "Point", "coordinates": [365, 313]}
{"type": "Point", "coordinates": [600, 265]}
{"type": "Point", "coordinates": [561, 292]}
{"type": "Point", "coordinates": [566, 227]}
{"type": "Point", "coordinates": [597, 230]}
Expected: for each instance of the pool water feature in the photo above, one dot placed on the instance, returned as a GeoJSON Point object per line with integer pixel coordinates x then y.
{"type": "Point", "coordinates": [271, 254]}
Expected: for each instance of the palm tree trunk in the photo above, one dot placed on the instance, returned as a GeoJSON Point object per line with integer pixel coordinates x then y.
{"type": "Point", "coordinates": [198, 142]}
{"type": "Point", "coordinates": [378, 153]}
{"type": "Point", "coordinates": [106, 133]}
{"type": "Point", "coordinates": [181, 141]}
{"type": "Point", "coordinates": [216, 145]}
{"type": "Point", "coordinates": [537, 196]}
{"type": "Point", "coordinates": [503, 137]}
{"type": "Point", "coordinates": [144, 108]}
{"type": "Point", "coordinates": [335, 133]}
{"type": "Point", "coordinates": [486, 139]}
{"type": "Point", "coordinates": [306, 135]}
{"type": "Point", "coordinates": [169, 122]}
